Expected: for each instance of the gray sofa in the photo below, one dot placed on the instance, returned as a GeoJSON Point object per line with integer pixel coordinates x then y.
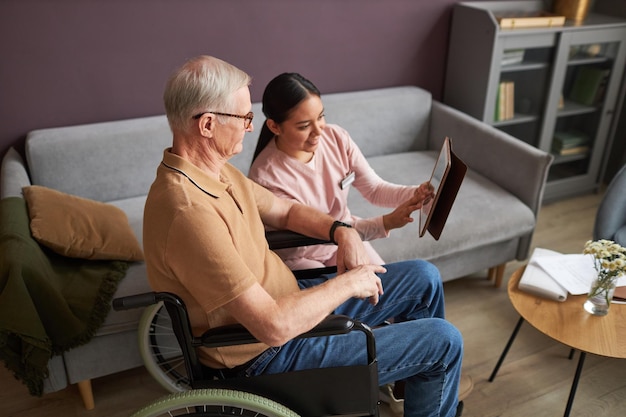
{"type": "Point", "coordinates": [400, 131]}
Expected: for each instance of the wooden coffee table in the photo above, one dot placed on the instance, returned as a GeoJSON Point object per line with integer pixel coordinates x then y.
{"type": "Point", "coordinates": [567, 322]}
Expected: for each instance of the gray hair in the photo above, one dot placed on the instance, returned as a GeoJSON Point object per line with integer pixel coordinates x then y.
{"type": "Point", "coordinates": [203, 83]}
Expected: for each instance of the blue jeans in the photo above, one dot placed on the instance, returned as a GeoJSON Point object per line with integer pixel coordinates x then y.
{"type": "Point", "coordinates": [420, 347]}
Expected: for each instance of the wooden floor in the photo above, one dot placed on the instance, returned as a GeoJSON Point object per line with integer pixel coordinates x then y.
{"type": "Point", "coordinates": [534, 380]}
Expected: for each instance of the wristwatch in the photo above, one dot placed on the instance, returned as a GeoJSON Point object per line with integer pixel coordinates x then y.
{"type": "Point", "coordinates": [335, 225]}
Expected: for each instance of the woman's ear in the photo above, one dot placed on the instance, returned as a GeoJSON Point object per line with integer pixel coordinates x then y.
{"type": "Point", "coordinates": [273, 126]}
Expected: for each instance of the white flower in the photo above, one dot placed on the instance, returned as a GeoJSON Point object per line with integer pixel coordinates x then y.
{"type": "Point", "coordinates": [609, 257]}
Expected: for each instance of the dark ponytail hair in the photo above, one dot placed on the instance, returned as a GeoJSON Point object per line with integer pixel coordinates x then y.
{"type": "Point", "coordinates": [280, 97]}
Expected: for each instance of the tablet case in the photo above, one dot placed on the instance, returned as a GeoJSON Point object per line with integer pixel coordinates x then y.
{"type": "Point", "coordinates": [448, 189]}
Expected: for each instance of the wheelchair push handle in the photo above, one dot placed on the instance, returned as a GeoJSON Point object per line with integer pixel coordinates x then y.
{"type": "Point", "coordinates": [134, 301]}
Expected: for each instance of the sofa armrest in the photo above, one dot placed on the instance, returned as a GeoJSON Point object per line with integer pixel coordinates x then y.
{"type": "Point", "coordinates": [514, 165]}
{"type": "Point", "coordinates": [13, 175]}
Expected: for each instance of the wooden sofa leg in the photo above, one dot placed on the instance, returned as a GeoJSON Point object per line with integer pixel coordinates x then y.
{"type": "Point", "coordinates": [497, 273]}
{"type": "Point", "coordinates": [86, 393]}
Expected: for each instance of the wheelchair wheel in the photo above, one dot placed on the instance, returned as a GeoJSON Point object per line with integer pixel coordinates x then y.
{"type": "Point", "coordinates": [213, 403]}
{"type": "Point", "coordinates": [160, 351]}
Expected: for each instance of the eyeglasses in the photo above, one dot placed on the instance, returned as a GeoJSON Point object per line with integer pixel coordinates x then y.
{"type": "Point", "coordinates": [247, 118]}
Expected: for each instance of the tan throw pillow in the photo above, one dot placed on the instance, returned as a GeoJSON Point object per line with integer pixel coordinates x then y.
{"type": "Point", "coordinates": [78, 227]}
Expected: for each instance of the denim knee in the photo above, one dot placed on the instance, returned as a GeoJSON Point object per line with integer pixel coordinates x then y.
{"type": "Point", "coordinates": [419, 269]}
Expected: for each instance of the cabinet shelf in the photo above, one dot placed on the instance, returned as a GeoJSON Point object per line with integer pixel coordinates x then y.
{"type": "Point", "coordinates": [551, 69]}
{"type": "Point", "coordinates": [572, 108]}
{"type": "Point", "coordinates": [524, 66]}
{"type": "Point", "coordinates": [562, 159]}
{"type": "Point", "coordinates": [588, 60]}
{"type": "Point", "coordinates": [518, 118]}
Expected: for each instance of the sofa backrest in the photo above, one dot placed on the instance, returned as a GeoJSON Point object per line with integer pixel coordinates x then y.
{"type": "Point", "coordinates": [117, 160]}
{"type": "Point", "coordinates": [383, 121]}
{"type": "Point", "coordinates": [101, 161]}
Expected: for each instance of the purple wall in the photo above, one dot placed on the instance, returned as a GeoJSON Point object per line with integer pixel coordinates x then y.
{"type": "Point", "coordinates": [67, 62]}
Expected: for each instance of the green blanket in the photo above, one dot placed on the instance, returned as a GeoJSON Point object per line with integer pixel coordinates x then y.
{"type": "Point", "coordinates": [48, 303]}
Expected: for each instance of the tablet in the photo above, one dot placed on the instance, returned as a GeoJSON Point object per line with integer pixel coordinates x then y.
{"type": "Point", "coordinates": [446, 180]}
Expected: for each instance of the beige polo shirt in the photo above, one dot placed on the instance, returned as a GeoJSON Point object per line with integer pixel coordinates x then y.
{"type": "Point", "coordinates": [204, 241]}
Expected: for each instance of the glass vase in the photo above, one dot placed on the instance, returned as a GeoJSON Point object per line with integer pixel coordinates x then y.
{"type": "Point", "coordinates": [600, 296]}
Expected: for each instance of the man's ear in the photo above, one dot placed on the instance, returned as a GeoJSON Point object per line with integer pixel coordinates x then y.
{"type": "Point", "coordinates": [206, 124]}
{"type": "Point", "coordinates": [273, 126]}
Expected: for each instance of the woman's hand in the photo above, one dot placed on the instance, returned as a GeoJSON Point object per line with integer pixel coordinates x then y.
{"type": "Point", "coordinates": [424, 193]}
{"type": "Point", "coordinates": [402, 214]}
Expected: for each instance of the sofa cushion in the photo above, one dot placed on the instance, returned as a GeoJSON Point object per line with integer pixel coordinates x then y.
{"type": "Point", "coordinates": [382, 121]}
{"type": "Point", "coordinates": [136, 281]}
{"type": "Point", "coordinates": [101, 161]}
{"type": "Point", "coordinates": [78, 227]}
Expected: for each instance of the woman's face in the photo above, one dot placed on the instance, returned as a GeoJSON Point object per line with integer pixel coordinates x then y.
{"type": "Point", "coordinates": [299, 135]}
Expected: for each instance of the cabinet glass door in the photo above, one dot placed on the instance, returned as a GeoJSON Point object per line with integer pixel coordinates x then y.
{"type": "Point", "coordinates": [577, 137]}
{"type": "Point", "coordinates": [525, 68]}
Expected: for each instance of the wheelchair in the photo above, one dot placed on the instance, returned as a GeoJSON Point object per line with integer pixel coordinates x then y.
{"type": "Point", "coordinates": [168, 348]}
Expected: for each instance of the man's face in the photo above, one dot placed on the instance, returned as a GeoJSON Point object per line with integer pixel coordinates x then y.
{"type": "Point", "coordinates": [229, 136]}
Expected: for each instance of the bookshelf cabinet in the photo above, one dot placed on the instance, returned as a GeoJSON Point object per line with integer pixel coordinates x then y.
{"type": "Point", "coordinates": [565, 84]}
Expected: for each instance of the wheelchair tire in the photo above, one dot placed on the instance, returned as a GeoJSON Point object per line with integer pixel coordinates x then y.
{"type": "Point", "coordinates": [214, 402]}
{"type": "Point", "coordinates": [160, 351]}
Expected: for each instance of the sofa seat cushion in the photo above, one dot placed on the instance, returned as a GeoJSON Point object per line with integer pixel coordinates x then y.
{"type": "Point", "coordinates": [498, 215]}
{"type": "Point", "coordinates": [79, 227]}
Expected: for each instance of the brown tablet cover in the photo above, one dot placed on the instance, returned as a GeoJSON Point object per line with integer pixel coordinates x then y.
{"type": "Point", "coordinates": [445, 194]}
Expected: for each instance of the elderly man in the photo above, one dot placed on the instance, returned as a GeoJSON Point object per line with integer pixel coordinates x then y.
{"type": "Point", "coordinates": [204, 240]}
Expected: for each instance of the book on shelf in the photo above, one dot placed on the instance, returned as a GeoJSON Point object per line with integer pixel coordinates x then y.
{"type": "Point", "coordinates": [512, 57]}
{"type": "Point", "coordinates": [508, 100]}
{"type": "Point", "coordinates": [570, 138]}
{"type": "Point", "coordinates": [505, 101]}
{"type": "Point", "coordinates": [576, 150]}
{"type": "Point", "coordinates": [499, 107]}
{"type": "Point", "coordinates": [570, 142]}
{"type": "Point", "coordinates": [521, 19]}
{"type": "Point", "coordinates": [589, 85]}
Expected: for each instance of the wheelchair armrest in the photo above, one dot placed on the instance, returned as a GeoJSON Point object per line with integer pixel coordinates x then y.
{"type": "Point", "coordinates": [281, 239]}
{"type": "Point", "coordinates": [134, 301]}
{"type": "Point", "coordinates": [236, 334]}
{"type": "Point", "coordinates": [333, 324]}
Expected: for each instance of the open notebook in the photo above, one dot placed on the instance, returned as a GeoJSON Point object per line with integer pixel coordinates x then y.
{"type": "Point", "coordinates": [537, 281]}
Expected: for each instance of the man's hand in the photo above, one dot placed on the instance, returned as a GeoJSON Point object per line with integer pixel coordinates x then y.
{"type": "Point", "coordinates": [364, 282]}
{"type": "Point", "coordinates": [286, 214]}
{"type": "Point", "coordinates": [350, 249]}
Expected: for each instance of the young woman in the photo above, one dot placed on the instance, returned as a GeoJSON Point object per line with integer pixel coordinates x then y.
{"type": "Point", "coordinates": [301, 157]}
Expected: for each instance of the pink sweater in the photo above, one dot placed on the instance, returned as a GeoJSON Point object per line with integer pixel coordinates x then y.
{"type": "Point", "coordinates": [318, 184]}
